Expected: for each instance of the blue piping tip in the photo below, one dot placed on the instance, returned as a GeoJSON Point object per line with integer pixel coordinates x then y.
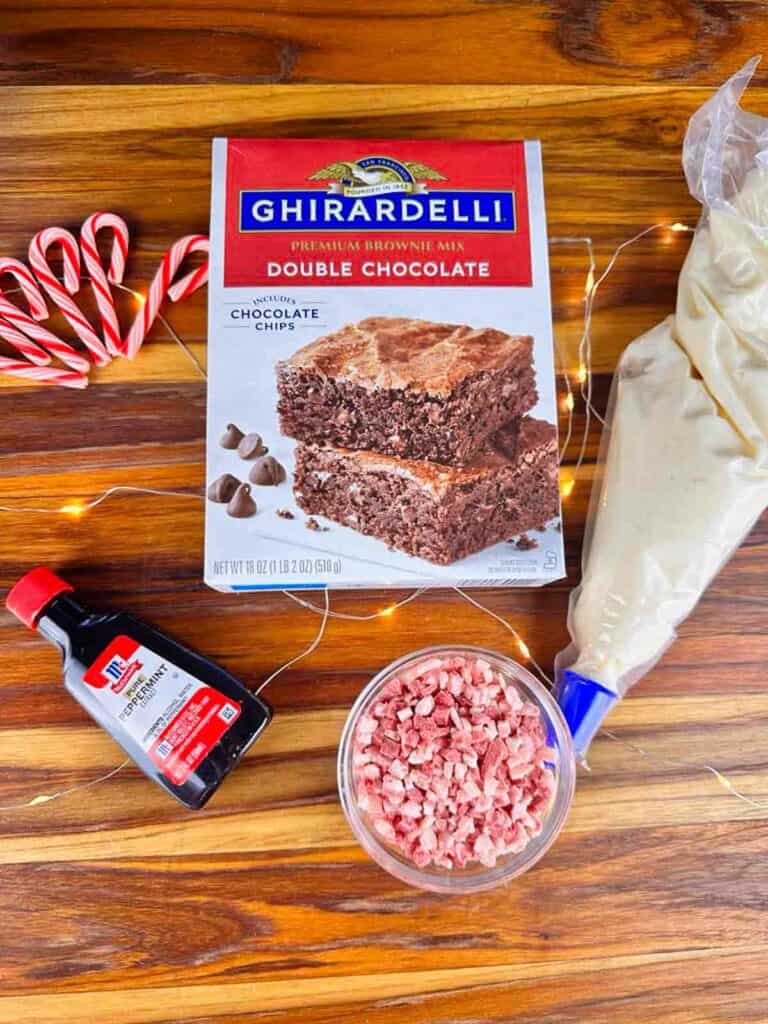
{"type": "Point", "coordinates": [584, 703]}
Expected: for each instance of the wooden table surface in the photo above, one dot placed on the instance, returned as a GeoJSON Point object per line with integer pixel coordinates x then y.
{"type": "Point", "coordinates": [118, 906]}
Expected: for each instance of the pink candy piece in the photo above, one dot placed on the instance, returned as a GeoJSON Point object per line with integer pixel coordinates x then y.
{"type": "Point", "coordinates": [451, 766]}
{"type": "Point", "coordinates": [425, 706]}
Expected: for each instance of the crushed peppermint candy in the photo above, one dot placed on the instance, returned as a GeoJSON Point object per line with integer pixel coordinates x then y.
{"type": "Point", "coordinates": [450, 764]}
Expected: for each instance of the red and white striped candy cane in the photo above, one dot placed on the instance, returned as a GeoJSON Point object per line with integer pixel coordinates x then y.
{"type": "Point", "coordinates": [38, 249]}
{"type": "Point", "coordinates": [25, 279]}
{"type": "Point", "coordinates": [110, 326]}
{"type": "Point", "coordinates": [23, 330]}
{"type": "Point", "coordinates": [161, 286]}
{"type": "Point", "coordinates": [23, 344]}
{"type": "Point", "coordinates": [195, 278]}
{"type": "Point", "coordinates": [42, 374]}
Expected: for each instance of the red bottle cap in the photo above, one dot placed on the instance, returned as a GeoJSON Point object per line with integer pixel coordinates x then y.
{"type": "Point", "coordinates": [33, 592]}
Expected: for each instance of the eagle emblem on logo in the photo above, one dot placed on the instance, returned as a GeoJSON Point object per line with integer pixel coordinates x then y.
{"type": "Point", "coordinates": [373, 175]}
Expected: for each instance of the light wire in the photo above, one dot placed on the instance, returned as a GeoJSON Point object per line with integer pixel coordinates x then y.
{"type": "Point", "coordinates": [78, 508]}
{"type": "Point", "coordinates": [585, 361]}
{"type": "Point", "coordinates": [318, 637]}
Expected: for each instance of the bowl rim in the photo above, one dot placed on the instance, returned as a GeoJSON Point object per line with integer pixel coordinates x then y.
{"type": "Point", "coordinates": [440, 880]}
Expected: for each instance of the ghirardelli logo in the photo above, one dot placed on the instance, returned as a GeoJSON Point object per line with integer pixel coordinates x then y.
{"type": "Point", "coordinates": [377, 193]}
{"type": "Point", "coordinates": [376, 175]}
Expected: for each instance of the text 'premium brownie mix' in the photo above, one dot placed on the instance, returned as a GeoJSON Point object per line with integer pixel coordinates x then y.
{"type": "Point", "coordinates": [381, 401]}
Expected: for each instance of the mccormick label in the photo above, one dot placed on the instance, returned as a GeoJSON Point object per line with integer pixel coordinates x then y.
{"type": "Point", "coordinates": [175, 718]}
{"type": "Point", "coordinates": [379, 316]}
{"type": "Point", "coordinates": [330, 212]}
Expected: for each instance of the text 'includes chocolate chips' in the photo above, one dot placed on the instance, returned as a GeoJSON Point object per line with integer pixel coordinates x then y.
{"type": "Point", "coordinates": [250, 446]}
{"type": "Point", "coordinates": [242, 505]}
{"type": "Point", "coordinates": [231, 437]}
{"type": "Point", "coordinates": [223, 488]}
{"type": "Point", "coordinates": [267, 472]}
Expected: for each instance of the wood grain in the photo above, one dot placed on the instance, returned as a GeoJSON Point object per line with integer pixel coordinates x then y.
{"type": "Point", "coordinates": [573, 42]}
{"type": "Point", "coordinates": [118, 906]}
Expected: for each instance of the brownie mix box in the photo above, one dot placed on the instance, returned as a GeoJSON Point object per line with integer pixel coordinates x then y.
{"type": "Point", "coordinates": [381, 397]}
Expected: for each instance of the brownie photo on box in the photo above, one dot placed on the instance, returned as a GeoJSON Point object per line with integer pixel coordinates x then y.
{"type": "Point", "coordinates": [409, 388]}
{"type": "Point", "coordinates": [437, 512]}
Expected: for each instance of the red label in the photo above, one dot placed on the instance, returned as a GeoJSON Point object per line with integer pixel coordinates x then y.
{"type": "Point", "coordinates": [115, 666]}
{"type": "Point", "coordinates": [376, 212]}
{"type": "Point", "coordinates": [195, 730]}
{"type": "Point", "coordinates": [173, 716]}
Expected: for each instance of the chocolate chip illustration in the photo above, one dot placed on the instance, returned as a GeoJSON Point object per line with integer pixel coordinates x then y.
{"type": "Point", "coordinates": [312, 524]}
{"type": "Point", "coordinates": [231, 437]}
{"type": "Point", "coordinates": [242, 505]}
{"type": "Point", "coordinates": [223, 488]}
{"type": "Point", "coordinates": [267, 472]}
{"type": "Point", "coordinates": [250, 446]}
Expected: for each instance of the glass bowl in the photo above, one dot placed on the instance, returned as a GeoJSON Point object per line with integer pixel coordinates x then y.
{"type": "Point", "coordinates": [474, 877]}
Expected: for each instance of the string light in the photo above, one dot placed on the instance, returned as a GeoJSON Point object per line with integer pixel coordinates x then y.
{"type": "Point", "coordinates": [721, 777]}
{"type": "Point", "coordinates": [141, 300]}
{"type": "Point", "coordinates": [326, 613]}
{"type": "Point", "coordinates": [569, 405]}
{"type": "Point", "coordinates": [587, 241]}
{"type": "Point", "coordinates": [584, 349]}
{"type": "Point", "coordinates": [521, 644]}
{"type": "Point", "coordinates": [583, 377]}
{"type": "Point", "coordinates": [382, 613]}
{"type": "Point", "coordinates": [78, 509]}
{"type": "Point", "coordinates": [45, 798]}
{"type": "Point", "coordinates": [304, 653]}
{"type": "Point", "coordinates": [676, 227]}
{"type": "Point", "coordinates": [75, 509]}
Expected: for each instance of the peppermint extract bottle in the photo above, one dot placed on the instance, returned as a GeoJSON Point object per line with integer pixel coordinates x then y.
{"type": "Point", "coordinates": [184, 720]}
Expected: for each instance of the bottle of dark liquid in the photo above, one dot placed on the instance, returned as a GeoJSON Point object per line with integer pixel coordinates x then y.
{"type": "Point", "coordinates": [183, 720]}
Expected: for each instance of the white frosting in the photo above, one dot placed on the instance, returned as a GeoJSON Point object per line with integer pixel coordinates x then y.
{"type": "Point", "coordinates": [686, 474]}
{"type": "Point", "coordinates": [722, 309]}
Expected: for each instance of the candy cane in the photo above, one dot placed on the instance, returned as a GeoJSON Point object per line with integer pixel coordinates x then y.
{"type": "Point", "coordinates": [161, 286]}
{"type": "Point", "coordinates": [38, 249]}
{"type": "Point", "coordinates": [42, 374]}
{"type": "Point", "coordinates": [34, 334]}
{"type": "Point", "coordinates": [196, 278]}
{"type": "Point", "coordinates": [110, 326]}
{"type": "Point", "coordinates": [25, 345]}
{"type": "Point", "coordinates": [25, 280]}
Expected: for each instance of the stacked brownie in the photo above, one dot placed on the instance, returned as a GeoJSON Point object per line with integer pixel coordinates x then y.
{"type": "Point", "coordinates": [415, 432]}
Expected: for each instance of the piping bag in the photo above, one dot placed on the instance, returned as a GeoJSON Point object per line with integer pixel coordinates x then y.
{"type": "Point", "coordinates": [683, 467]}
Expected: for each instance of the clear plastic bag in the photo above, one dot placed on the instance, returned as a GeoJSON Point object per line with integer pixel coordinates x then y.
{"type": "Point", "coordinates": [683, 467]}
